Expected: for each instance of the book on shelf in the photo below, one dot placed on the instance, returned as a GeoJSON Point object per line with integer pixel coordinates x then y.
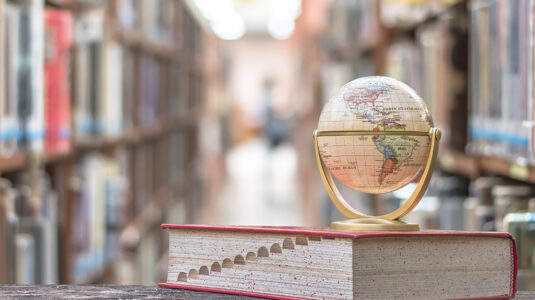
{"type": "Point", "coordinates": [10, 127]}
{"type": "Point", "coordinates": [88, 32]}
{"type": "Point", "coordinates": [112, 98]}
{"type": "Point", "coordinates": [30, 87]}
{"type": "Point", "coordinates": [25, 259]}
{"type": "Point", "coordinates": [149, 91]}
{"type": "Point", "coordinates": [129, 94]}
{"type": "Point", "coordinates": [58, 30]}
{"type": "Point", "coordinates": [159, 20]}
{"type": "Point", "coordinates": [312, 262]}
{"type": "Point", "coordinates": [28, 224]}
{"type": "Point", "coordinates": [99, 203]}
{"type": "Point", "coordinates": [350, 22]}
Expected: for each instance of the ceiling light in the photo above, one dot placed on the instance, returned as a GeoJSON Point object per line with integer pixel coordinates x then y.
{"type": "Point", "coordinates": [280, 29]}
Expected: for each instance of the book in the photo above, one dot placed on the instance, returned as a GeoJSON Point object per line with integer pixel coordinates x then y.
{"type": "Point", "coordinates": [111, 106]}
{"type": "Point", "coordinates": [88, 33]}
{"type": "Point", "coordinates": [10, 129]}
{"type": "Point", "coordinates": [58, 30]}
{"type": "Point", "coordinates": [128, 86]}
{"type": "Point", "coordinates": [25, 259]}
{"type": "Point", "coordinates": [31, 104]}
{"type": "Point", "coordinates": [312, 262]}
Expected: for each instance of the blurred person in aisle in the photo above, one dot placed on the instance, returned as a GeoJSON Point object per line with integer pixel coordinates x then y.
{"type": "Point", "coordinates": [270, 94]}
{"type": "Point", "coordinates": [262, 166]}
{"type": "Point", "coordinates": [277, 126]}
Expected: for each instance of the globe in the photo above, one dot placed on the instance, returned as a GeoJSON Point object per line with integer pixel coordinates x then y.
{"type": "Point", "coordinates": [374, 162]}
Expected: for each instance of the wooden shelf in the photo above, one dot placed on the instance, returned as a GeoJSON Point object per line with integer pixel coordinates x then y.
{"type": "Point", "coordinates": [21, 161]}
{"type": "Point", "coordinates": [74, 5]}
{"type": "Point", "coordinates": [459, 163]}
{"type": "Point", "coordinates": [473, 166]}
{"type": "Point", "coordinates": [136, 136]}
{"type": "Point", "coordinates": [14, 162]}
{"type": "Point", "coordinates": [507, 168]}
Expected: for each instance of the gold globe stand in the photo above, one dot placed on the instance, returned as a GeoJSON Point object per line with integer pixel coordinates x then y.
{"type": "Point", "coordinates": [390, 221]}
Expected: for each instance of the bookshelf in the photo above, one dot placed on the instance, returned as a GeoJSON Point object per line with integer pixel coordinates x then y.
{"type": "Point", "coordinates": [368, 49]}
{"type": "Point", "coordinates": [456, 157]}
{"type": "Point", "coordinates": [161, 145]}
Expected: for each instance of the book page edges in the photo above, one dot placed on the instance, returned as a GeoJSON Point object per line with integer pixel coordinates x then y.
{"type": "Point", "coordinates": [326, 232]}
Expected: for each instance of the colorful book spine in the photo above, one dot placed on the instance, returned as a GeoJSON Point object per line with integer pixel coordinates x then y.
{"type": "Point", "coordinates": [58, 29]}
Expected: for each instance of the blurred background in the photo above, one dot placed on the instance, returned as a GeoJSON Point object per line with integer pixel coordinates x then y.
{"type": "Point", "coordinates": [117, 116]}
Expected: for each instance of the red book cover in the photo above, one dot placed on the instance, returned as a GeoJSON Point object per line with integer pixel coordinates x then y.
{"type": "Point", "coordinates": [328, 232]}
{"type": "Point", "coordinates": [58, 40]}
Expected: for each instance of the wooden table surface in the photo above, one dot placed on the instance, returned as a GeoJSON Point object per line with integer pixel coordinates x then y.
{"type": "Point", "coordinates": [123, 292]}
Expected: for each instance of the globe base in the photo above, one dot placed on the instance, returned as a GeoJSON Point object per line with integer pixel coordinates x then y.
{"type": "Point", "coordinates": [374, 224]}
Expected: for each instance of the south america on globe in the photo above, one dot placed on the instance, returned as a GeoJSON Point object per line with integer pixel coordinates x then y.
{"type": "Point", "coordinates": [382, 162]}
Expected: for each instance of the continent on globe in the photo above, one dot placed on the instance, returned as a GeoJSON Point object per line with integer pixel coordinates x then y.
{"type": "Point", "coordinates": [396, 149]}
{"type": "Point", "coordinates": [377, 163]}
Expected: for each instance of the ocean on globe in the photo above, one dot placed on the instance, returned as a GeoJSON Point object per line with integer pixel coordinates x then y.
{"type": "Point", "coordinates": [375, 163]}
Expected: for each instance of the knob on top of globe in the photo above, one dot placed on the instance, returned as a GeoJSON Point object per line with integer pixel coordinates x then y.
{"type": "Point", "coordinates": [375, 163]}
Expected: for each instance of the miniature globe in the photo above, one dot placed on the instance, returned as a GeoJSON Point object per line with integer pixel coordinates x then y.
{"type": "Point", "coordinates": [375, 163]}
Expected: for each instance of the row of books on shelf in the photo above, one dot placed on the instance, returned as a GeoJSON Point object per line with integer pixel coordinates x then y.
{"type": "Point", "coordinates": [29, 222]}
{"type": "Point", "coordinates": [120, 199]}
{"type": "Point", "coordinates": [101, 196]}
{"type": "Point", "coordinates": [28, 230]}
{"type": "Point", "coordinates": [431, 61]}
{"type": "Point", "coordinates": [356, 26]}
{"type": "Point", "coordinates": [107, 194]}
{"type": "Point", "coordinates": [501, 78]}
{"type": "Point", "coordinates": [350, 21]}
{"type": "Point", "coordinates": [160, 20]}
{"type": "Point", "coordinates": [497, 41]}
{"type": "Point", "coordinates": [75, 69]}
{"type": "Point", "coordinates": [480, 51]}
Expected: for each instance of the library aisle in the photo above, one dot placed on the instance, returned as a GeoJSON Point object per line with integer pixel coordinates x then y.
{"type": "Point", "coordinates": [119, 116]}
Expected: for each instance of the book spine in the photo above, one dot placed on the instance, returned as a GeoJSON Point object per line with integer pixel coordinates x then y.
{"type": "Point", "coordinates": [10, 130]}
{"type": "Point", "coordinates": [58, 26]}
{"type": "Point", "coordinates": [111, 100]}
{"type": "Point", "coordinates": [89, 78]}
{"type": "Point", "coordinates": [35, 127]}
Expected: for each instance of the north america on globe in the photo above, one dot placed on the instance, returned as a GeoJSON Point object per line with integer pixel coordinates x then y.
{"type": "Point", "coordinates": [375, 163]}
